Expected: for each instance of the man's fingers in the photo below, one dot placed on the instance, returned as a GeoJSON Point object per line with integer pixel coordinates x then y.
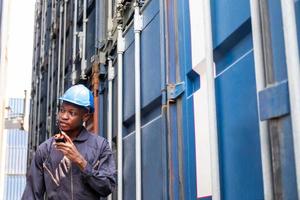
{"type": "Point", "coordinates": [60, 147]}
{"type": "Point", "coordinates": [63, 146]}
{"type": "Point", "coordinates": [67, 149]}
{"type": "Point", "coordinates": [68, 139]}
{"type": "Point", "coordinates": [61, 143]}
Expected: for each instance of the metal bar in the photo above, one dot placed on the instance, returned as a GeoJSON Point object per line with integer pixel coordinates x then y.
{"type": "Point", "coordinates": [24, 103]}
{"type": "Point", "coordinates": [58, 62]}
{"type": "Point", "coordinates": [74, 42]}
{"type": "Point", "coordinates": [109, 17]}
{"type": "Point", "coordinates": [176, 114]}
{"type": "Point", "coordinates": [95, 84]}
{"type": "Point", "coordinates": [84, 21]}
{"type": "Point", "coordinates": [48, 93]}
{"type": "Point", "coordinates": [109, 112]}
{"type": "Point", "coordinates": [43, 31]}
{"type": "Point", "coordinates": [52, 85]}
{"type": "Point", "coordinates": [164, 109]}
{"type": "Point", "coordinates": [53, 20]}
{"type": "Point", "coordinates": [260, 85]}
{"type": "Point", "coordinates": [40, 75]}
{"type": "Point", "coordinates": [49, 60]}
{"type": "Point", "coordinates": [39, 108]}
{"type": "Point", "coordinates": [121, 48]}
{"type": "Point", "coordinates": [216, 194]}
{"type": "Point", "coordinates": [266, 42]}
{"type": "Point", "coordinates": [64, 47]}
{"type": "Point", "coordinates": [170, 130]}
{"type": "Point", "coordinates": [137, 54]}
{"type": "Point", "coordinates": [109, 96]}
{"type": "Point", "coordinates": [97, 24]}
{"type": "Point", "coordinates": [293, 69]}
{"type": "Point", "coordinates": [100, 29]}
{"type": "Point", "coordinates": [41, 59]}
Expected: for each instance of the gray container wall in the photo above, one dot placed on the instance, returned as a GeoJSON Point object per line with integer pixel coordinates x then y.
{"type": "Point", "coordinates": [44, 84]}
{"type": "Point", "coordinates": [45, 69]}
{"type": "Point", "coordinates": [45, 62]}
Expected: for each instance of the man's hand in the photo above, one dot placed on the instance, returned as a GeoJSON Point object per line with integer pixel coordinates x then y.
{"type": "Point", "coordinates": [70, 151]}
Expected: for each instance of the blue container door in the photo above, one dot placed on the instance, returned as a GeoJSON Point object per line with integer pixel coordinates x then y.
{"type": "Point", "coordinates": [237, 116]}
{"type": "Point", "coordinates": [153, 142]}
{"type": "Point", "coordinates": [274, 102]}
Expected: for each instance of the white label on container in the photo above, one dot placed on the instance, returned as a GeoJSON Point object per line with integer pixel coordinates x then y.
{"type": "Point", "coordinates": [201, 112]}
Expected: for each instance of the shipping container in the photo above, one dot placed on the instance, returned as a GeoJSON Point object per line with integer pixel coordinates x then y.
{"type": "Point", "coordinates": [199, 99]}
{"type": "Point", "coordinates": [14, 151]}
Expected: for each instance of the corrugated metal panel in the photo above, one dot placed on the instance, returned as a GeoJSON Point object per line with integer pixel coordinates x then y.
{"type": "Point", "coordinates": [15, 154]}
{"type": "Point", "coordinates": [16, 107]}
{"type": "Point", "coordinates": [14, 186]}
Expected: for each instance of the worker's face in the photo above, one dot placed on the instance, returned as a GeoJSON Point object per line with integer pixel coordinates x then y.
{"type": "Point", "coordinates": [71, 117]}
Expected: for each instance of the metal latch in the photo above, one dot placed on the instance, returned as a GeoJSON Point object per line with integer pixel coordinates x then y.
{"type": "Point", "coordinates": [274, 101]}
{"type": "Point", "coordinates": [175, 90]}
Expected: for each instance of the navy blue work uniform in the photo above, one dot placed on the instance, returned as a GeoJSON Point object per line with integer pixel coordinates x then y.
{"type": "Point", "coordinates": [52, 174]}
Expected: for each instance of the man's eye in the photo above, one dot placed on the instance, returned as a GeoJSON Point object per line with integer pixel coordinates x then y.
{"type": "Point", "coordinates": [62, 111]}
{"type": "Point", "coordinates": [73, 113]}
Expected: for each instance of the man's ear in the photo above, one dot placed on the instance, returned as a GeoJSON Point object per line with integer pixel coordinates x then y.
{"type": "Point", "coordinates": [86, 116]}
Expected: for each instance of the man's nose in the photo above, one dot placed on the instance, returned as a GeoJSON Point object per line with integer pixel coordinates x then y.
{"type": "Point", "coordinates": [64, 115]}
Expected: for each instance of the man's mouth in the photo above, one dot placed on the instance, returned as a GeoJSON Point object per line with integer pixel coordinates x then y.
{"type": "Point", "coordinates": [63, 124]}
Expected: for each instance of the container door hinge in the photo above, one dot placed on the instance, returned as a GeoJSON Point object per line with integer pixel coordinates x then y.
{"type": "Point", "coordinates": [175, 90]}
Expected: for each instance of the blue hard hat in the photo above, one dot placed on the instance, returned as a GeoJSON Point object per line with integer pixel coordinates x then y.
{"type": "Point", "coordinates": [79, 95]}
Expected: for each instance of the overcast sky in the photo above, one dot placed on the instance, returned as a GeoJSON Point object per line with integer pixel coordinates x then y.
{"type": "Point", "coordinates": [20, 47]}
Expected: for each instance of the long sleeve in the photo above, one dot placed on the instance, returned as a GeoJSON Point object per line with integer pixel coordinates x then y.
{"type": "Point", "coordinates": [35, 187]}
{"type": "Point", "coordinates": [102, 176]}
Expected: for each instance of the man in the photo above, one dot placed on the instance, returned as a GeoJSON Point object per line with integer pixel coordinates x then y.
{"type": "Point", "coordinates": [75, 164]}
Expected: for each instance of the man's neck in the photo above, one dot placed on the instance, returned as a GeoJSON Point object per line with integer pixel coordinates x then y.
{"type": "Point", "coordinates": [74, 134]}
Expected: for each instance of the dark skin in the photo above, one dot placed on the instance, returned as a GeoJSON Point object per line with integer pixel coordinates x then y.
{"type": "Point", "coordinates": [70, 119]}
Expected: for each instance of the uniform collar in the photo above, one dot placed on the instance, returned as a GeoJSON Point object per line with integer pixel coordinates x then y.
{"type": "Point", "coordinates": [83, 135]}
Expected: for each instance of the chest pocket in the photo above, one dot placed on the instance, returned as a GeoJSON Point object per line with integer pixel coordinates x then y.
{"type": "Point", "coordinates": [91, 155]}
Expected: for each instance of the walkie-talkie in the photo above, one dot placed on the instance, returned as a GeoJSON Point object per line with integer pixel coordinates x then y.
{"type": "Point", "coordinates": [59, 137]}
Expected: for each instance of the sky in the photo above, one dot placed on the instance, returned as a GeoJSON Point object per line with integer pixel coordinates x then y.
{"type": "Point", "coordinates": [20, 47]}
{"type": "Point", "coordinates": [19, 29]}
{"type": "Point", "coordinates": [16, 57]}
